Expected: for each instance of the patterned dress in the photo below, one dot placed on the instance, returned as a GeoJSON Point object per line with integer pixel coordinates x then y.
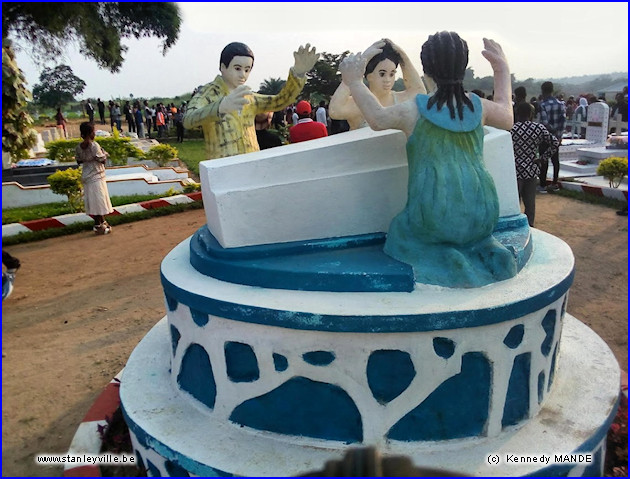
{"type": "Point", "coordinates": [95, 194]}
{"type": "Point", "coordinates": [445, 230]}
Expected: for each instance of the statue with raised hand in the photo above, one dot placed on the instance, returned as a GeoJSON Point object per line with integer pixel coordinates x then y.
{"type": "Point", "coordinates": [226, 108]}
{"type": "Point", "coordinates": [445, 230]}
{"type": "Point", "coordinates": [380, 72]}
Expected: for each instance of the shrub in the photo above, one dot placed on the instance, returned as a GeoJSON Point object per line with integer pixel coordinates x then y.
{"type": "Point", "coordinates": [119, 149]}
{"type": "Point", "coordinates": [62, 150]}
{"type": "Point", "coordinates": [192, 187]}
{"type": "Point", "coordinates": [161, 154]}
{"type": "Point", "coordinates": [68, 182]}
{"type": "Point", "coordinates": [614, 169]}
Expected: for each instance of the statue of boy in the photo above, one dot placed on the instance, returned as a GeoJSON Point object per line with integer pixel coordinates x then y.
{"type": "Point", "coordinates": [226, 108]}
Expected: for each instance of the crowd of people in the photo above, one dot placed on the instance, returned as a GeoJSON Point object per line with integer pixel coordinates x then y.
{"type": "Point", "coordinates": [143, 119]}
{"type": "Point", "coordinates": [534, 145]}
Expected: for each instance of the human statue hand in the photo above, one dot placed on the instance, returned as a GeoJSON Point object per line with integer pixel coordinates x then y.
{"type": "Point", "coordinates": [305, 59]}
{"type": "Point", "coordinates": [375, 48]}
{"type": "Point", "coordinates": [235, 101]}
{"type": "Point", "coordinates": [353, 66]}
{"type": "Point", "coordinates": [429, 84]}
{"type": "Point", "coordinates": [494, 54]}
{"type": "Point", "coordinates": [397, 49]}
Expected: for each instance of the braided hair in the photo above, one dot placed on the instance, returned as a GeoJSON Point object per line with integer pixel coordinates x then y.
{"type": "Point", "coordinates": [444, 58]}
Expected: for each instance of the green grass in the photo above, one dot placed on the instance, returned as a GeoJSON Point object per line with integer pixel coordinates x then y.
{"type": "Point", "coordinates": [36, 212]}
{"type": "Point", "coordinates": [593, 199]}
{"type": "Point", "coordinates": [113, 220]}
{"type": "Point", "coordinates": [191, 152]}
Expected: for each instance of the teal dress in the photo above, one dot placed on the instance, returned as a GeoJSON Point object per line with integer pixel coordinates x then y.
{"type": "Point", "coordinates": [445, 230]}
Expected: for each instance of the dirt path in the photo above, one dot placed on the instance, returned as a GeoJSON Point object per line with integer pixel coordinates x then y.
{"type": "Point", "coordinates": [82, 303]}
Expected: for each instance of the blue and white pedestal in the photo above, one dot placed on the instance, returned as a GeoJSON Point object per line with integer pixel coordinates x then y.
{"type": "Point", "coordinates": [245, 380]}
{"type": "Point", "coordinates": [290, 336]}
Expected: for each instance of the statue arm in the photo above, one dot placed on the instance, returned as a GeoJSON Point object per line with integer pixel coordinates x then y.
{"type": "Point", "coordinates": [305, 59]}
{"type": "Point", "coordinates": [202, 108]}
{"type": "Point", "coordinates": [411, 77]}
{"type": "Point", "coordinates": [498, 113]}
{"type": "Point", "coordinates": [342, 106]}
{"type": "Point", "coordinates": [401, 116]}
{"type": "Point", "coordinates": [286, 96]}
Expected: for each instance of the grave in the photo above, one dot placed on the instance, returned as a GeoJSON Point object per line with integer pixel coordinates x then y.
{"type": "Point", "coordinates": [580, 158]}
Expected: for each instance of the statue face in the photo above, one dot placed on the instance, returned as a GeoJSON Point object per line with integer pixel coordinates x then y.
{"type": "Point", "coordinates": [237, 72]}
{"type": "Point", "coordinates": [383, 76]}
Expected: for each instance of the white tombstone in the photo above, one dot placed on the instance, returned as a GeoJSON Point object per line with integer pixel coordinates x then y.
{"type": "Point", "coordinates": [39, 149]}
{"type": "Point", "coordinates": [46, 136]}
{"type": "Point", "coordinates": [6, 160]}
{"type": "Point", "coordinates": [597, 117]}
{"type": "Point", "coordinates": [348, 184]}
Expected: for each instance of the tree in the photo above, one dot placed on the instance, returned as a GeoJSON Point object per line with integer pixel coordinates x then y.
{"type": "Point", "coordinates": [97, 27]}
{"type": "Point", "coordinates": [58, 86]}
{"type": "Point", "coordinates": [272, 86]}
{"type": "Point", "coordinates": [18, 136]}
{"type": "Point", "coordinates": [324, 78]}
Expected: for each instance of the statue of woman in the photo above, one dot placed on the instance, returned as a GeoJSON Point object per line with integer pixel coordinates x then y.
{"type": "Point", "coordinates": [445, 230]}
{"type": "Point", "coordinates": [380, 74]}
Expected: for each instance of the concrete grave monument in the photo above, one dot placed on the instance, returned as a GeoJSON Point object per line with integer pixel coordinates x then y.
{"type": "Point", "coordinates": [285, 343]}
{"type": "Point", "coordinates": [597, 118]}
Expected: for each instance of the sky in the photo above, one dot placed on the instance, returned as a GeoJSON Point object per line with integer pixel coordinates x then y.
{"type": "Point", "coordinates": [540, 40]}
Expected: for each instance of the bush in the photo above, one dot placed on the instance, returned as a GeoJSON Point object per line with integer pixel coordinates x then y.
{"type": "Point", "coordinates": [119, 149]}
{"type": "Point", "coordinates": [62, 150]}
{"type": "Point", "coordinates": [614, 169]}
{"type": "Point", "coordinates": [192, 187]}
{"type": "Point", "coordinates": [161, 154]}
{"type": "Point", "coordinates": [68, 182]}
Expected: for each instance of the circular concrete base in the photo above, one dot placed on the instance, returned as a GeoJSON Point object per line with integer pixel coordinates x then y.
{"type": "Point", "coordinates": [172, 435]}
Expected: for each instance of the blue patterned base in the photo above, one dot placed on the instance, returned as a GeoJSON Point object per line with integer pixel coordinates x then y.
{"type": "Point", "coordinates": [173, 438]}
{"type": "Point", "coordinates": [432, 365]}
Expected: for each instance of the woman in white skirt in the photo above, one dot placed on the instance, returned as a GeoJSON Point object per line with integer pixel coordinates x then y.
{"type": "Point", "coordinates": [96, 197]}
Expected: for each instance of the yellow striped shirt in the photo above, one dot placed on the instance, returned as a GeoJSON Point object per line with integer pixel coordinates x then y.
{"type": "Point", "coordinates": [233, 133]}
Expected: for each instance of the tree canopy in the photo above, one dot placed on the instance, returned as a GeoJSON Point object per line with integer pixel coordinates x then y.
{"type": "Point", "coordinates": [324, 78]}
{"type": "Point", "coordinates": [271, 86]}
{"type": "Point", "coordinates": [18, 136]}
{"type": "Point", "coordinates": [97, 27]}
{"type": "Point", "coordinates": [58, 86]}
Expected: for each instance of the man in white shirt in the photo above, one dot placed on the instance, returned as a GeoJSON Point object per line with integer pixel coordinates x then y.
{"type": "Point", "coordinates": [320, 114]}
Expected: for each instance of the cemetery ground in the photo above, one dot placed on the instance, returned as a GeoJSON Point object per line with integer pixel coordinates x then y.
{"type": "Point", "coordinates": [82, 303]}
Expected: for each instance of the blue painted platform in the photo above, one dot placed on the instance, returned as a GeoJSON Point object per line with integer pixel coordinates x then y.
{"type": "Point", "coordinates": [348, 264]}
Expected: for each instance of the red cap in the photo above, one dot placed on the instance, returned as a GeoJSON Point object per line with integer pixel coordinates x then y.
{"type": "Point", "coordinates": [303, 108]}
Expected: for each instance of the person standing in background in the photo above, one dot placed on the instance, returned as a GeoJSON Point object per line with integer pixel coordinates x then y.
{"type": "Point", "coordinates": [101, 110]}
{"type": "Point", "coordinates": [137, 114]}
{"type": "Point", "coordinates": [148, 117]}
{"type": "Point", "coordinates": [96, 197]}
{"type": "Point", "coordinates": [89, 108]}
{"type": "Point", "coordinates": [528, 140]}
{"type": "Point", "coordinates": [306, 129]}
{"type": "Point", "coordinates": [553, 117]}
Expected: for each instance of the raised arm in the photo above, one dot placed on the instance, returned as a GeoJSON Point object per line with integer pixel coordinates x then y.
{"type": "Point", "coordinates": [400, 116]}
{"type": "Point", "coordinates": [341, 105]}
{"type": "Point", "coordinates": [411, 77]}
{"type": "Point", "coordinates": [498, 113]}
